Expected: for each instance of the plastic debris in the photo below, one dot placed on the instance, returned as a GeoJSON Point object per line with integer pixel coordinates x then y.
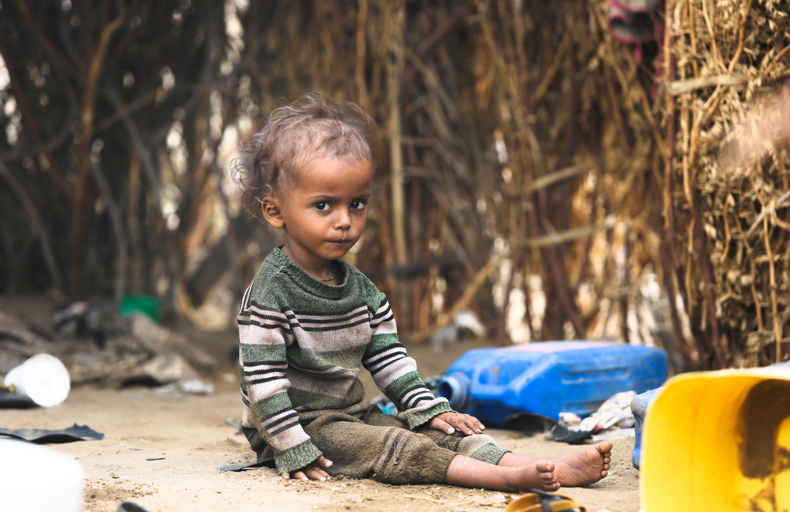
{"type": "Point", "coordinates": [45, 436]}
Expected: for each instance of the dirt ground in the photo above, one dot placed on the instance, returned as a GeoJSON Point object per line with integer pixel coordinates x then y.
{"type": "Point", "coordinates": [163, 452]}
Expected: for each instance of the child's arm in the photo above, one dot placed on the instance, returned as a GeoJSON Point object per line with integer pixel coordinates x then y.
{"type": "Point", "coordinates": [263, 333]}
{"type": "Point", "coordinates": [395, 373]}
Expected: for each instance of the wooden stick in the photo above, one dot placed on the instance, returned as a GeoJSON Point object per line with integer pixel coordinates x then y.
{"type": "Point", "coordinates": [774, 302]}
{"type": "Point", "coordinates": [741, 33]}
{"type": "Point", "coordinates": [565, 236]}
{"type": "Point", "coordinates": [394, 70]}
{"type": "Point", "coordinates": [120, 235]}
{"type": "Point", "coordinates": [548, 78]}
{"type": "Point", "coordinates": [465, 299]}
{"type": "Point", "coordinates": [556, 177]}
{"type": "Point", "coordinates": [714, 48]}
{"type": "Point", "coordinates": [752, 270]}
{"type": "Point", "coordinates": [359, 75]}
{"type": "Point", "coordinates": [86, 118]}
{"type": "Point", "coordinates": [676, 88]}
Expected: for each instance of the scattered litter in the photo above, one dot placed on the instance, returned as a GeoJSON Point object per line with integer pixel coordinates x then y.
{"type": "Point", "coordinates": [616, 411]}
{"type": "Point", "coordinates": [425, 498]}
{"type": "Point", "coordinates": [570, 419]}
{"type": "Point", "coordinates": [615, 434]}
{"type": "Point", "coordinates": [44, 436]}
{"type": "Point", "coordinates": [530, 424]}
{"type": "Point", "coordinates": [95, 320]}
{"type": "Point", "coordinates": [104, 347]}
{"type": "Point", "coordinates": [188, 386]}
{"type": "Point", "coordinates": [25, 342]}
{"type": "Point", "coordinates": [11, 400]}
{"type": "Point", "coordinates": [129, 506]}
{"type": "Point", "coordinates": [233, 423]}
{"type": "Point", "coordinates": [462, 322]}
{"type": "Point", "coordinates": [500, 500]}
{"type": "Point", "coordinates": [245, 466]}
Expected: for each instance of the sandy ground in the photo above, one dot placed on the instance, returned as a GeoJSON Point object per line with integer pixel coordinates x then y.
{"type": "Point", "coordinates": [163, 452]}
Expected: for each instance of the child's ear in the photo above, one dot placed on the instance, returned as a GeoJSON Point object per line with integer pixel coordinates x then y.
{"type": "Point", "coordinates": [271, 212]}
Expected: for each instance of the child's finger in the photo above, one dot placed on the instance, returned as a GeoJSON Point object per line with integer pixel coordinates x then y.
{"type": "Point", "coordinates": [462, 422]}
{"type": "Point", "coordinates": [466, 427]}
{"type": "Point", "coordinates": [324, 462]}
{"type": "Point", "coordinates": [315, 473]}
{"type": "Point", "coordinates": [286, 476]}
{"type": "Point", "coordinates": [299, 475]}
{"type": "Point", "coordinates": [473, 423]}
{"type": "Point", "coordinates": [440, 424]}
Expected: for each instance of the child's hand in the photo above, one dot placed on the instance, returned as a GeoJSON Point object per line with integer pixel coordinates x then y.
{"type": "Point", "coordinates": [312, 471]}
{"type": "Point", "coordinates": [447, 422]}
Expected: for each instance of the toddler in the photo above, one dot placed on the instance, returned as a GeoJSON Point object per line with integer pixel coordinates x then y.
{"type": "Point", "coordinates": [309, 320]}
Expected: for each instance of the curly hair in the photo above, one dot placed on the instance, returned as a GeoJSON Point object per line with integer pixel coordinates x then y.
{"type": "Point", "coordinates": [314, 125]}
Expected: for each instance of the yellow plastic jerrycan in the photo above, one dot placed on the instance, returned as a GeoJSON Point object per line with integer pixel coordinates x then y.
{"type": "Point", "coordinates": [719, 441]}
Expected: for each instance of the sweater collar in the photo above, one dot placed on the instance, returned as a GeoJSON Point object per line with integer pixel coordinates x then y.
{"type": "Point", "coordinates": [307, 282]}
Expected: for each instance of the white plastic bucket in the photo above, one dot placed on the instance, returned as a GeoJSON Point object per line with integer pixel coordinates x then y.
{"type": "Point", "coordinates": [38, 479]}
{"type": "Point", "coordinates": [42, 378]}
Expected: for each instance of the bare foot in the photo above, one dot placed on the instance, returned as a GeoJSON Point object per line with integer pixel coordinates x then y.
{"type": "Point", "coordinates": [538, 476]}
{"type": "Point", "coordinates": [584, 467]}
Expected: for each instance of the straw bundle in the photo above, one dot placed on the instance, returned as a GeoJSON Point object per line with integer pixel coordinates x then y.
{"type": "Point", "coordinates": [728, 186]}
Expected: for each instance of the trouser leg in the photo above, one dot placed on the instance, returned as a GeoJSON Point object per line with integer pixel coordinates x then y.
{"type": "Point", "coordinates": [384, 450]}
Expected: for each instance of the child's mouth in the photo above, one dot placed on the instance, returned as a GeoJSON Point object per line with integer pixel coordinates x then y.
{"type": "Point", "coordinates": [342, 241]}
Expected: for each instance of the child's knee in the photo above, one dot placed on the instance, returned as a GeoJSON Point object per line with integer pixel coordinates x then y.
{"type": "Point", "coordinates": [469, 445]}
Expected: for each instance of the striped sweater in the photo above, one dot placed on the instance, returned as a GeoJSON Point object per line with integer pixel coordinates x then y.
{"type": "Point", "coordinates": [302, 343]}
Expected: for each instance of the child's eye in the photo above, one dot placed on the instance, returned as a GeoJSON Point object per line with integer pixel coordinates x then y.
{"type": "Point", "coordinates": [322, 206]}
{"type": "Point", "coordinates": [358, 205]}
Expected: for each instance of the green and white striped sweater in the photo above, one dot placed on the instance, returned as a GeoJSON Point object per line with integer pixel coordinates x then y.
{"type": "Point", "coordinates": [302, 345]}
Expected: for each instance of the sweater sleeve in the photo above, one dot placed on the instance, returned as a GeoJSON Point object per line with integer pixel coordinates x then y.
{"type": "Point", "coordinates": [264, 333]}
{"type": "Point", "coordinates": [395, 373]}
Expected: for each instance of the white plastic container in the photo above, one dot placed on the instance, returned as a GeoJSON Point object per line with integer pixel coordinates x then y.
{"type": "Point", "coordinates": [42, 378]}
{"type": "Point", "coordinates": [38, 479]}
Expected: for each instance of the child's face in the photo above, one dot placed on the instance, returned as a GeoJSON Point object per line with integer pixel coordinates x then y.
{"type": "Point", "coordinates": [324, 213]}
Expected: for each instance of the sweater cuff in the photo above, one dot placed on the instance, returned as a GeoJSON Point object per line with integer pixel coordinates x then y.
{"type": "Point", "coordinates": [416, 419]}
{"type": "Point", "coordinates": [296, 457]}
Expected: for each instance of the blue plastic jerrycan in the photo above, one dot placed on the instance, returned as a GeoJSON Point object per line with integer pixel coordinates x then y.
{"type": "Point", "coordinates": [549, 378]}
{"type": "Point", "coordinates": [639, 406]}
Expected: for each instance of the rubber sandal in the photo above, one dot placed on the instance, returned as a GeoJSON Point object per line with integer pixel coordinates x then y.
{"type": "Point", "coordinates": [541, 501]}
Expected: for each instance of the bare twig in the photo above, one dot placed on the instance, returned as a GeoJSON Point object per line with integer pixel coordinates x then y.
{"type": "Point", "coordinates": [777, 323]}
{"type": "Point", "coordinates": [86, 119]}
{"type": "Point", "coordinates": [741, 34]}
{"type": "Point", "coordinates": [29, 119]}
{"type": "Point", "coordinates": [359, 74]}
{"type": "Point", "coordinates": [120, 235]}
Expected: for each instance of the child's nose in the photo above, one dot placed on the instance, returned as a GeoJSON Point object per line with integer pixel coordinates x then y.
{"type": "Point", "coordinates": [343, 220]}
